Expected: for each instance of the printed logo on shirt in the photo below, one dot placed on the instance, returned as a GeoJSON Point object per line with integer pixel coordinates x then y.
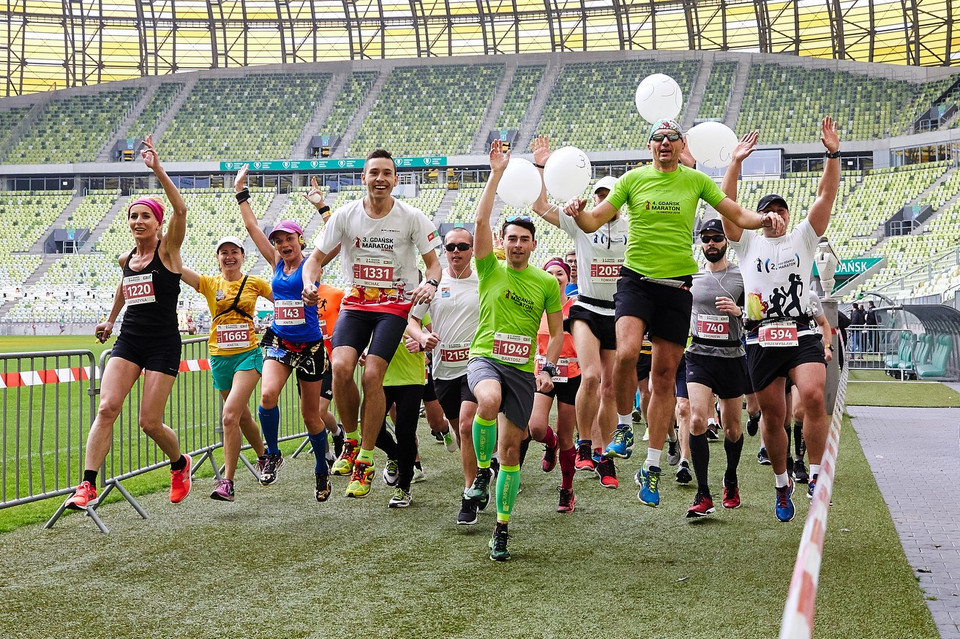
{"type": "Point", "coordinates": [433, 235]}
{"type": "Point", "coordinates": [663, 207]}
{"type": "Point", "coordinates": [376, 243]}
{"type": "Point", "coordinates": [769, 265]}
{"type": "Point", "coordinates": [522, 302]}
{"type": "Point", "coordinates": [220, 295]}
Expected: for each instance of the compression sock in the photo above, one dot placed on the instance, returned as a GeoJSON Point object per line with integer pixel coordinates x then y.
{"type": "Point", "coordinates": [319, 443]}
{"type": "Point", "coordinates": [508, 484]}
{"type": "Point", "coordinates": [550, 439]}
{"type": "Point", "coordinates": [270, 425]}
{"type": "Point", "coordinates": [733, 450]}
{"type": "Point", "coordinates": [484, 440]}
{"type": "Point", "coordinates": [568, 466]}
{"type": "Point", "coordinates": [700, 452]}
{"type": "Point", "coordinates": [798, 444]}
{"type": "Point", "coordinates": [524, 447]}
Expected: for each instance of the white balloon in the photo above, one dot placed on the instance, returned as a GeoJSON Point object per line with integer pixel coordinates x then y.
{"type": "Point", "coordinates": [711, 144]}
{"type": "Point", "coordinates": [659, 97]}
{"type": "Point", "coordinates": [520, 185]}
{"type": "Point", "coordinates": [567, 173]}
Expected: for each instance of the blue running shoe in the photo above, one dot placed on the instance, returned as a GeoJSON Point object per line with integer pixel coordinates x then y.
{"type": "Point", "coordinates": [622, 444]}
{"type": "Point", "coordinates": [785, 509]}
{"type": "Point", "coordinates": [650, 486]}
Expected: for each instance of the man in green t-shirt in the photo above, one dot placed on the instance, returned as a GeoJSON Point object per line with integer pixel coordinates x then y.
{"type": "Point", "coordinates": [653, 292]}
{"type": "Point", "coordinates": [513, 299]}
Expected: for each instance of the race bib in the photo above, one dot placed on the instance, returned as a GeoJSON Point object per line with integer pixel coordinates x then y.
{"type": "Point", "coordinates": [455, 355]}
{"type": "Point", "coordinates": [779, 334]}
{"type": "Point", "coordinates": [373, 271]}
{"type": "Point", "coordinates": [323, 328]}
{"type": "Point", "coordinates": [289, 312]}
{"type": "Point", "coordinates": [233, 335]}
{"type": "Point", "coordinates": [138, 289]}
{"type": "Point", "coordinates": [563, 368]}
{"type": "Point", "coordinates": [713, 326]}
{"type": "Point", "coordinates": [512, 349]}
{"type": "Point", "coordinates": [605, 270]}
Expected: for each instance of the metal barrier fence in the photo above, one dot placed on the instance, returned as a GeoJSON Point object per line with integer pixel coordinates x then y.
{"type": "Point", "coordinates": [49, 401]}
{"type": "Point", "coordinates": [869, 345]}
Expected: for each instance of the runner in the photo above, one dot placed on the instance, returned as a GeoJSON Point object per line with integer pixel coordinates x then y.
{"type": "Point", "coordinates": [800, 474]}
{"type": "Point", "coordinates": [236, 360]}
{"type": "Point", "coordinates": [566, 384]}
{"type": "Point", "coordinates": [380, 238]}
{"type": "Point", "coordinates": [513, 297]}
{"type": "Point", "coordinates": [715, 364]}
{"type": "Point", "coordinates": [455, 316]}
{"type": "Point", "coordinates": [653, 290]}
{"type": "Point", "coordinates": [293, 343]}
{"type": "Point", "coordinates": [780, 342]}
{"type": "Point", "coordinates": [149, 341]}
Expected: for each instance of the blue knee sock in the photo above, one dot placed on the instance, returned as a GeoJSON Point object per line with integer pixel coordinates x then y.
{"type": "Point", "coordinates": [319, 443]}
{"type": "Point", "coordinates": [270, 424]}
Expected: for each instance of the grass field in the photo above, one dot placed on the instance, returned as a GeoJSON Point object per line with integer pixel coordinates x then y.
{"type": "Point", "coordinates": [874, 388]}
{"type": "Point", "coordinates": [275, 561]}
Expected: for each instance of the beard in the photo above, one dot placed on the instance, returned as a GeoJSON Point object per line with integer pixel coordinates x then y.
{"type": "Point", "coordinates": [716, 257]}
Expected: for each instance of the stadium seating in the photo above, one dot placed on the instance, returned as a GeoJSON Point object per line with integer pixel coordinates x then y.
{"type": "Point", "coordinates": [10, 118]}
{"type": "Point", "coordinates": [93, 207]}
{"type": "Point", "coordinates": [27, 216]}
{"type": "Point", "coordinates": [348, 101]}
{"type": "Point", "coordinates": [717, 93]}
{"type": "Point", "coordinates": [154, 111]}
{"type": "Point", "coordinates": [522, 90]}
{"type": "Point", "coordinates": [254, 117]}
{"type": "Point", "coordinates": [428, 110]}
{"type": "Point", "coordinates": [74, 128]}
{"type": "Point", "coordinates": [939, 357]}
{"type": "Point", "coordinates": [592, 105]}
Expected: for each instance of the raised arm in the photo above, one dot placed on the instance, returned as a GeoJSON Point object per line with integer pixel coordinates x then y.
{"type": "Point", "coordinates": [483, 237]}
{"type": "Point", "coordinates": [177, 220]}
{"type": "Point", "coordinates": [822, 207]}
{"type": "Point", "coordinates": [191, 278]}
{"type": "Point", "coordinates": [734, 217]}
{"type": "Point", "coordinates": [250, 220]}
{"type": "Point", "coordinates": [542, 207]}
{"type": "Point", "coordinates": [589, 221]}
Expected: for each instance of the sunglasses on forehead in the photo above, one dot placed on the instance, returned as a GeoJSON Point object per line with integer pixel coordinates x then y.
{"type": "Point", "coordinates": [716, 239]}
{"type": "Point", "coordinates": [519, 218]}
{"type": "Point", "coordinates": [457, 246]}
{"type": "Point", "coordinates": [673, 136]}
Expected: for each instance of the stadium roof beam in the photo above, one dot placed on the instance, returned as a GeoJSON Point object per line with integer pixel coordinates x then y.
{"type": "Point", "coordinates": [14, 48]}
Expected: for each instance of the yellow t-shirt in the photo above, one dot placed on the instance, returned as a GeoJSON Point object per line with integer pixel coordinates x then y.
{"type": "Point", "coordinates": [232, 332]}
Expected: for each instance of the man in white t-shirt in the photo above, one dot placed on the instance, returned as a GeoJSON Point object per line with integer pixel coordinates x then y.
{"type": "Point", "coordinates": [776, 269]}
{"type": "Point", "coordinates": [379, 238]}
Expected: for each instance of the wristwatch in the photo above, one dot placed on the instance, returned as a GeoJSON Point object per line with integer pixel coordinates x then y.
{"type": "Point", "coordinates": [832, 156]}
{"type": "Point", "coordinates": [550, 368]}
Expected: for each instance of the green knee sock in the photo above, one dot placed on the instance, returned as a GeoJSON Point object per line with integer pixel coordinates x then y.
{"type": "Point", "coordinates": [484, 440]}
{"type": "Point", "coordinates": [508, 484]}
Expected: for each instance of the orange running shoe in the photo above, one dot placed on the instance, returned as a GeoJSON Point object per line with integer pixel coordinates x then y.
{"type": "Point", "coordinates": [344, 465]}
{"type": "Point", "coordinates": [83, 497]}
{"type": "Point", "coordinates": [180, 482]}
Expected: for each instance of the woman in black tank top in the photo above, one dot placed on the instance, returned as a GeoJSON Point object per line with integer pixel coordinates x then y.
{"type": "Point", "coordinates": [149, 341]}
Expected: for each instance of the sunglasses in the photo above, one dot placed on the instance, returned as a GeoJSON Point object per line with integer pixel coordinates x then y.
{"type": "Point", "coordinates": [519, 218]}
{"type": "Point", "coordinates": [716, 239]}
{"type": "Point", "coordinates": [673, 136]}
{"type": "Point", "coordinates": [459, 246]}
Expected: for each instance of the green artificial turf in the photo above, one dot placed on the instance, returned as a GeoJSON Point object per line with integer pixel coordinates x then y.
{"type": "Point", "coordinates": [874, 388]}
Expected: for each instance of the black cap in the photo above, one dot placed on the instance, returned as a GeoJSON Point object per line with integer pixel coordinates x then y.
{"type": "Point", "coordinates": [767, 200]}
{"type": "Point", "coordinates": [714, 226]}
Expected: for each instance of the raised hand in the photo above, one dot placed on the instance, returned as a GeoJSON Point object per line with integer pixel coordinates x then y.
{"type": "Point", "coordinates": [746, 146]}
{"type": "Point", "coordinates": [315, 195]}
{"type": "Point", "coordinates": [149, 154]}
{"type": "Point", "coordinates": [574, 207]}
{"type": "Point", "coordinates": [498, 158]}
{"type": "Point", "coordinates": [541, 149]}
{"type": "Point", "coordinates": [828, 135]}
{"type": "Point", "coordinates": [240, 183]}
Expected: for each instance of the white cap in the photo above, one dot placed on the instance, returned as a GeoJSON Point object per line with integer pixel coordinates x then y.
{"type": "Point", "coordinates": [606, 182]}
{"type": "Point", "coordinates": [229, 239]}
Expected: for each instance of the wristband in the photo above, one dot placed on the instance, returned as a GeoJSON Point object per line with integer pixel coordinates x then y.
{"type": "Point", "coordinates": [434, 283]}
{"type": "Point", "coordinates": [832, 156]}
{"type": "Point", "coordinates": [243, 196]}
{"type": "Point", "coordinates": [539, 166]}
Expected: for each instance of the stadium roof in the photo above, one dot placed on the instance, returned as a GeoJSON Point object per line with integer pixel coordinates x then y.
{"type": "Point", "coordinates": [66, 43]}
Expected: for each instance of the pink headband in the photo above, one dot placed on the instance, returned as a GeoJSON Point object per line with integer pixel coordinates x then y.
{"type": "Point", "coordinates": [557, 262]}
{"type": "Point", "coordinates": [153, 205]}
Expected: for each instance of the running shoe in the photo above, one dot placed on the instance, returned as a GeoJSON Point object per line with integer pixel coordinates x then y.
{"type": "Point", "coordinates": [450, 442]}
{"type": "Point", "coordinates": [683, 473]}
{"type": "Point", "coordinates": [480, 490]}
{"type": "Point", "coordinates": [360, 480]}
{"type": "Point", "coordinates": [753, 424]}
{"type": "Point", "coordinates": [468, 512]}
{"type": "Point", "coordinates": [762, 458]}
{"type": "Point", "coordinates": [784, 508]}
{"type": "Point", "coordinates": [608, 474]}
{"type": "Point", "coordinates": [646, 434]}
{"type": "Point", "coordinates": [324, 487]}
{"type": "Point", "coordinates": [702, 506]}
{"type": "Point", "coordinates": [418, 474]}
{"type": "Point", "coordinates": [494, 468]}
{"type": "Point", "coordinates": [567, 501]}
{"type": "Point", "coordinates": [271, 468]}
{"type": "Point", "coordinates": [800, 474]}
{"type": "Point", "coordinates": [649, 486]}
{"type": "Point", "coordinates": [713, 432]}
{"type": "Point", "coordinates": [85, 495]}
{"type": "Point", "coordinates": [812, 486]}
{"type": "Point", "coordinates": [223, 491]}
{"type": "Point", "coordinates": [673, 451]}
{"type": "Point", "coordinates": [731, 496]}
{"type": "Point", "coordinates": [549, 461]}
{"type": "Point", "coordinates": [338, 441]}
{"type": "Point", "coordinates": [498, 545]}
{"type": "Point", "coordinates": [181, 482]}
{"type": "Point", "coordinates": [597, 456]}
{"type": "Point", "coordinates": [622, 444]}
{"type": "Point", "coordinates": [261, 463]}
{"type": "Point", "coordinates": [636, 416]}
{"type": "Point", "coordinates": [391, 473]}
{"type": "Point", "coordinates": [400, 498]}
{"type": "Point", "coordinates": [344, 463]}
{"type": "Point", "coordinates": [437, 435]}
{"type": "Point", "coordinates": [585, 458]}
